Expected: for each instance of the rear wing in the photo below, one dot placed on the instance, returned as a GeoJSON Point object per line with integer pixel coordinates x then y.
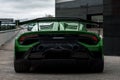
{"type": "Point", "coordinates": [57, 19]}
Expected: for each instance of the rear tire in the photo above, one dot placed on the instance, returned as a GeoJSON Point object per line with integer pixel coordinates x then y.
{"type": "Point", "coordinates": [97, 66]}
{"type": "Point", "coordinates": [21, 66]}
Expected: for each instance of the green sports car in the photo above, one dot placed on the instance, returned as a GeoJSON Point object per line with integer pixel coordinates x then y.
{"type": "Point", "coordinates": [61, 41]}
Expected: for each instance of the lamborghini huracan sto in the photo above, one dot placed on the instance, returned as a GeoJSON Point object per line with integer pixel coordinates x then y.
{"type": "Point", "coordinates": [60, 41]}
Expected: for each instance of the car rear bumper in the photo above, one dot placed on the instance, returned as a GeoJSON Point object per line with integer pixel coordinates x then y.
{"type": "Point", "coordinates": [59, 55]}
{"type": "Point", "coordinates": [61, 62]}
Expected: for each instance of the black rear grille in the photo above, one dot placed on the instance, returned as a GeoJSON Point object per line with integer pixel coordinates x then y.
{"type": "Point", "coordinates": [58, 55]}
{"type": "Point", "coordinates": [59, 51]}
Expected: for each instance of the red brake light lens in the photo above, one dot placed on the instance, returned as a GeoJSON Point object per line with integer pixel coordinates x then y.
{"type": "Point", "coordinates": [95, 38]}
{"type": "Point", "coordinates": [22, 38]}
{"type": "Point", "coordinates": [88, 39]}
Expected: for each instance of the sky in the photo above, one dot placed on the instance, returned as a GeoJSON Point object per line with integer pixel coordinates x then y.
{"type": "Point", "coordinates": [26, 9]}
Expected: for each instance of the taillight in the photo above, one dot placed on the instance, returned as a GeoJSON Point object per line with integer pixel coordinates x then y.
{"type": "Point", "coordinates": [27, 38]}
{"type": "Point", "coordinates": [88, 39]}
{"type": "Point", "coordinates": [22, 39]}
{"type": "Point", "coordinates": [95, 38]}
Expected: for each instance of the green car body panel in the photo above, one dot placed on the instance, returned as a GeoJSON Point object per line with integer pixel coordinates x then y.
{"type": "Point", "coordinates": [74, 29]}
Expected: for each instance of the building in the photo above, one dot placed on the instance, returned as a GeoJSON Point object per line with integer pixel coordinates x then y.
{"type": "Point", "coordinates": [7, 23]}
{"type": "Point", "coordinates": [112, 27]}
{"type": "Point", "coordinates": [85, 9]}
{"type": "Point", "coordinates": [94, 10]}
{"type": "Point", "coordinates": [6, 20]}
